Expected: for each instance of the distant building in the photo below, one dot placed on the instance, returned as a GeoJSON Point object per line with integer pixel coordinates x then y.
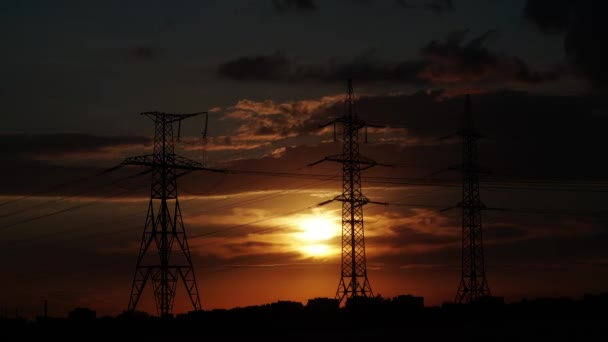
{"type": "Point", "coordinates": [490, 300]}
{"type": "Point", "coordinates": [285, 306]}
{"type": "Point", "coordinates": [82, 314]}
{"type": "Point", "coordinates": [323, 304]}
{"type": "Point", "coordinates": [599, 299]}
{"type": "Point", "coordinates": [409, 301]}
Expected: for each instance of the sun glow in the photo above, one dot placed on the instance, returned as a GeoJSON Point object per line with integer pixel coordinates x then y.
{"type": "Point", "coordinates": [317, 250]}
{"type": "Point", "coordinates": [315, 234]}
{"type": "Point", "coordinates": [316, 228]}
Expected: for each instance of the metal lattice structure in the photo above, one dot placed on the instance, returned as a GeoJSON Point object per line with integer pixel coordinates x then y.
{"type": "Point", "coordinates": [353, 280]}
{"type": "Point", "coordinates": [473, 284]}
{"type": "Point", "coordinates": [164, 256]}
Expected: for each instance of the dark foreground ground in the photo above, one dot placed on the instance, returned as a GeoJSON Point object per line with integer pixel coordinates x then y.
{"type": "Point", "coordinates": [402, 318]}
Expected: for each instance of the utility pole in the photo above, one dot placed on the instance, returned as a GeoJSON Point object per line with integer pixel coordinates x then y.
{"type": "Point", "coordinates": [353, 279]}
{"type": "Point", "coordinates": [473, 283]}
{"type": "Point", "coordinates": [158, 261]}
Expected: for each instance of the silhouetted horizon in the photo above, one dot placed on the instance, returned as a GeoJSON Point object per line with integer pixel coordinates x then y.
{"type": "Point", "coordinates": [370, 317]}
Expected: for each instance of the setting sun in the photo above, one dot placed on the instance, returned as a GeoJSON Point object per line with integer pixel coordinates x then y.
{"type": "Point", "coordinates": [317, 228]}
{"type": "Point", "coordinates": [315, 233]}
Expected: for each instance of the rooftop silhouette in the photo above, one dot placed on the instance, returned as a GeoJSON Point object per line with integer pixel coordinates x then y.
{"type": "Point", "coordinates": [404, 316]}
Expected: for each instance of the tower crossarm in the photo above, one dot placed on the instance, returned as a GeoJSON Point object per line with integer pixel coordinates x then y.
{"type": "Point", "coordinates": [178, 163]}
{"type": "Point", "coordinates": [354, 122]}
{"type": "Point", "coordinates": [186, 164]}
{"type": "Point", "coordinates": [342, 159]}
{"type": "Point", "coordinates": [145, 160]}
{"type": "Point", "coordinates": [366, 162]}
{"type": "Point", "coordinates": [171, 117]}
{"type": "Point", "coordinates": [356, 202]}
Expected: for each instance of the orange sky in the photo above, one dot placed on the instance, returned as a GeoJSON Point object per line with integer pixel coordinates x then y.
{"type": "Point", "coordinates": [262, 246]}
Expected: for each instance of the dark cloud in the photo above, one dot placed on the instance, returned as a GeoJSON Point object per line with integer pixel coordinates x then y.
{"type": "Point", "coordinates": [298, 5]}
{"type": "Point", "coordinates": [504, 232]}
{"type": "Point", "coordinates": [362, 2]}
{"type": "Point", "coordinates": [437, 6]}
{"type": "Point", "coordinates": [143, 53]}
{"type": "Point", "coordinates": [364, 70]}
{"type": "Point", "coordinates": [255, 68]}
{"type": "Point", "coordinates": [525, 133]}
{"type": "Point", "coordinates": [455, 60]}
{"type": "Point", "coordinates": [551, 16]}
{"type": "Point", "coordinates": [276, 67]}
{"type": "Point", "coordinates": [58, 145]}
{"type": "Point", "coordinates": [448, 62]}
{"type": "Point", "coordinates": [584, 28]}
{"type": "Point", "coordinates": [46, 161]}
{"type": "Point", "coordinates": [526, 136]}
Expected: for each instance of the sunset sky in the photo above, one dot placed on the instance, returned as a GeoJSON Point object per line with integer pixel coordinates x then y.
{"type": "Point", "coordinates": [77, 74]}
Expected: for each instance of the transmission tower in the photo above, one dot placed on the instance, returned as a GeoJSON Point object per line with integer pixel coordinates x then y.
{"type": "Point", "coordinates": [158, 261]}
{"type": "Point", "coordinates": [473, 284]}
{"type": "Point", "coordinates": [353, 280]}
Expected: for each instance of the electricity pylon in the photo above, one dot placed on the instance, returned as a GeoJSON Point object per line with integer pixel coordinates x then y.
{"type": "Point", "coordinates": [158, 261]}
{"type": "Point", "coordinates": [473, 283]}
{"type": "Point", "coordinates": [353, 280]}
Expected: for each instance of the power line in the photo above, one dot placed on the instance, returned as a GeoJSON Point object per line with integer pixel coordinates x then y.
{"type": "Point", "coordinates": [39, 217]}
{"type": "Point", "coordinates": [63, 197]}
{"type": "Point", "coordinates": [415, 205]}
{"type": "Point", "coordinates": [256, 199]}
{"type": "Point", "coordinates": [49, 190]}
{"type": "Point", "coordinates": [598, 215]}
{"type": "Point", "coordinates": [262, 197]}
{"type": "Point", "coordinates": [534, 186]}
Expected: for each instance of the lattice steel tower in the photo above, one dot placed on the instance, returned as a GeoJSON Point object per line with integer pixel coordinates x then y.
{"type": "Point", "coordinates": [353, 280]}
{"type": "Point", "coordinates": [158, 260]}
{"type": "Point", "coordinates": [473, 284]}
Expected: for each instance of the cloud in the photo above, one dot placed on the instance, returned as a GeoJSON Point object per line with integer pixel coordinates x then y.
{"type": "Point", "coordinates": [45, 161]}
{"type": "Point", "coordinates": [264, 128]}
{"type": "Point", "coordinates": [66, 146]}
{"type": "Point", "coordinates": [143, 53]}
{"type": "Point", "coordinates": [249, 68]}
{"type": "Point", "coordinates": [526, 136]}
{"type": "Point", "coordinates": [584, 28]}
{"type": "Point", "coordinates": [412, 231]}
{"type": "Point", "coordinates": [551, 16]}
{"type": "Point", "coordinates": [272, 135]}
{"type": "Point", "coordinates": [298, 5]}
{"type": "Point", "coordinates": [364, 70]}
{"type": "Point", "coordinates": [276, 67]}
{"type": "Point", "coordinates": [268, 120]}
{"type": "Point", "coordinates": [436, 6]}
{"type": "Point", "coordinates": [456, 61]}
{"type": "Point", "coordinates": [441, 63]}
{"type": "Point", "coordinates": [416, 121]}
{"type": "Point", "coordinates": [420, 230]}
